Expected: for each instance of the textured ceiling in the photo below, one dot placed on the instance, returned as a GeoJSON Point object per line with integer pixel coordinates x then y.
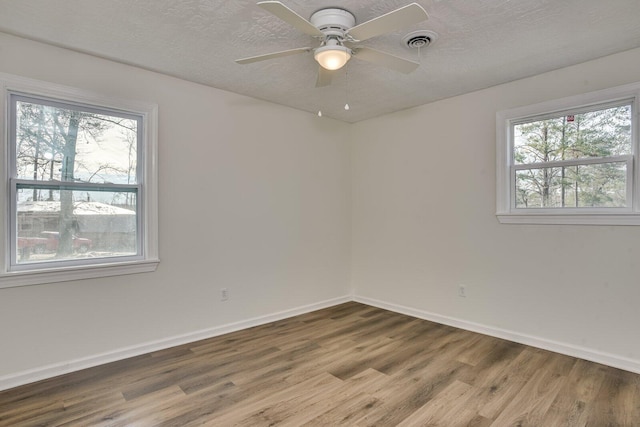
{"type": "Point", "coordinates": [482, 43]}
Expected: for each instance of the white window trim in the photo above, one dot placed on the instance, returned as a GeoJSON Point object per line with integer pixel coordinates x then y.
{"type": "Point", "coordinates": [506, 212]}
{"type": "Point", "coordinates": [149, 212]}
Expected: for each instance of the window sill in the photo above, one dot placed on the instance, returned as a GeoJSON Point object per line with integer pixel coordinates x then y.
{"type": "Point", "coordinates": [570, 219]}
{"type": "Point", "coordinates": [53, 275]}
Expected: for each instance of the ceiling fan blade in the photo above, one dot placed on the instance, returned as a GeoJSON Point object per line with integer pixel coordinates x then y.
{"type": "Point", "coordinates": [399, 18]}
{"type": "Point", "coordinates": [324, 77]}
{"type": "Point", "coordinates": [289, 16]}
{"type": "Point", "coordinates": [385, 59]}
{"type": "Point", "coordinates": [273, 55]}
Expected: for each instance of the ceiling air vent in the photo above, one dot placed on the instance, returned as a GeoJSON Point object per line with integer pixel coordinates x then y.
{"type": "Point", "coordinates": [419, 39]}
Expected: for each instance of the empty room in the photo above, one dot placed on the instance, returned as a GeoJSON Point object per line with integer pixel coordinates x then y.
{"type": "Point", "coordinates": [362, 213]}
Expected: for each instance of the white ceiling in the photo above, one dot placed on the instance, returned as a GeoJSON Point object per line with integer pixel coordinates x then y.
{"type": "Point", "coordinates": [482, 43]}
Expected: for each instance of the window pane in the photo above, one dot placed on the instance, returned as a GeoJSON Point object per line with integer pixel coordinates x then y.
{"type": "Point", "coordinates": [66, 225]}
{"type": "Point", "coordinates": [601, 133]}
{"type": "Point", "coordinates": [594, 185]}
{"type": "Point", "coordinates": [66, 144]}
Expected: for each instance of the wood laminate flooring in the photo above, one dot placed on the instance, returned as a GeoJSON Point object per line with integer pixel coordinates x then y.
{"type": "Point", "coordinates": [350, 364]}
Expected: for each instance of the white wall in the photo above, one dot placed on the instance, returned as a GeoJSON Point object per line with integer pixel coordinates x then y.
{"type": "Point", "coordinates": [254, 197]}
{"type": "Point", "coordinates": [424, 222]}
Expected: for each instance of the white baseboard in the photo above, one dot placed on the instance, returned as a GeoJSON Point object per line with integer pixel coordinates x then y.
{"type": "Point", "coordinates": [545, 344]}
{"type": "Point", "coordinates": [41, 373]}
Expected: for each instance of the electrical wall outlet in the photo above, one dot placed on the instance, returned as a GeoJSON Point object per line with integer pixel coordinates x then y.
{"type": "Point", "coordinates": [462, 291]}
{"type": "Point", "coordinates": [224, 294]}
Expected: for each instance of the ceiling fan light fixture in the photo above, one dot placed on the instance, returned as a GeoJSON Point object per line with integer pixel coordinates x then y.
{"type": "Point", "coordinates": [332, 57]}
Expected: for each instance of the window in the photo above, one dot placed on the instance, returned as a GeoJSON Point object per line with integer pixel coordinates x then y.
{"type": "Point", "coordinates": [570, 161]}
{"type": "Point", "coordinates": [80, 185]}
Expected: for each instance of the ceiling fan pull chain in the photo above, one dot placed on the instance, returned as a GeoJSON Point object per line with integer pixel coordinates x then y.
{"type": "Point", "coordinates": [346, 88]}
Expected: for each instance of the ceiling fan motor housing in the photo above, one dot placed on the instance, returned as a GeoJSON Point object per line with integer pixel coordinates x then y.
{"type": "Point", "coordinates": [333, 22]}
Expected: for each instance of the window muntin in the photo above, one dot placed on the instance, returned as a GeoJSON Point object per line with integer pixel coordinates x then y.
{"type": "Point", "coordinates": [75, 184]}
{"type": "Point", "coordinates": [104, 149]}
{"type": "Point", "coordinates": [573, 159]}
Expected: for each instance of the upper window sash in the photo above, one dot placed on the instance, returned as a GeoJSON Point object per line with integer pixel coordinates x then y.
{"type": "Point", "coordinates": [506, 166]}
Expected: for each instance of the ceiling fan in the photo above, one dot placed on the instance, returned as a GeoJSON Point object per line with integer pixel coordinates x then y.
{"type": "Point", "coordinates": [339, 37]}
